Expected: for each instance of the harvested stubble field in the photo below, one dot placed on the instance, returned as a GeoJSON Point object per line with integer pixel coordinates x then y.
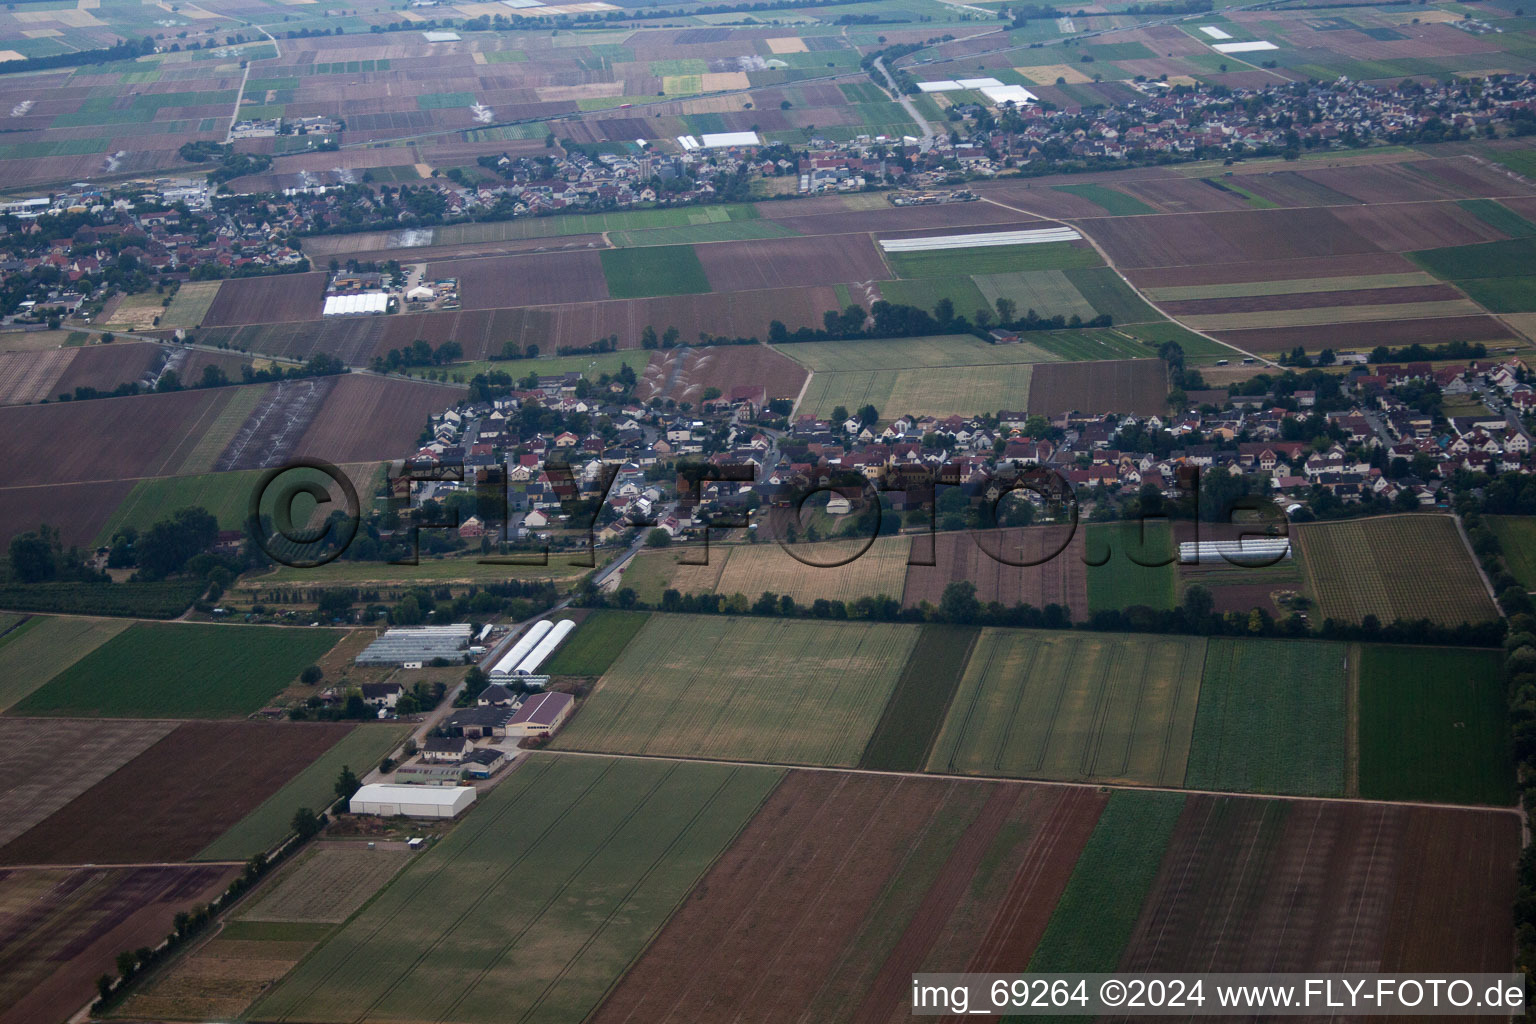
{"type": "Point", "coordinates": [1035, 565]}
{"type": "Point", "coordinates": [1266, 885]}
{"type": "Point", "coordinates": [270, 822]}
{"type": "Point", "coordinates": [267, 300]}
{"type": "Point", "coordinates": [772, 690]}
{"type": "Point", "coordinates": [38, 649]}
{"type": "Point", "coordinates": [879, 569]}
{"type": "Point", "coordinates": [1272, 718]}
{"type": "Point", "coordinates": [1434, 725]}
{"type": "Point", "coordinates": [1393, 567]}
{"type": "Point", "coordinates": [951, 350]}
{"type": "Point", "coordinates": [171, 800]}
{"type": "Point", "coordinates": [104, 367]}
{"type": "Point", "coordinates": [219, 979]}
{"type": "Point", "coordinates": [1134, 386]}
{"type": "Point", "coordinates": [29, 753]}
{"type": "Point", "coordinates": [927, 391]}
{"type": "Point", "coordinates": [534, 906]}
{"type": "Point", "coordinates": [61, 929]}
{"type": "Point", "coordinates": [161, 670]}
{"type": "Point", "coordinates": [1068, 706]}
{"type": "Point", "coordinates": [329, 883]}
{"type": "Point", "coordinates": [29, 376]}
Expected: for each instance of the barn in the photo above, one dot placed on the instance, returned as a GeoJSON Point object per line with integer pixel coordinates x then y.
{"type": "Point", "coordinates": [412, 801]}
{"type": "Point", "coordinates": [541, 713]}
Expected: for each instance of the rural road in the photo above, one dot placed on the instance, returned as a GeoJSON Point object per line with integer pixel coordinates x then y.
{"type": "Point", "coordinates": [910, 107]}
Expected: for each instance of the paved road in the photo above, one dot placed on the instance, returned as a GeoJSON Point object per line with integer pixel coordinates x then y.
{"type": "Point", "coordinates": [911, 108]}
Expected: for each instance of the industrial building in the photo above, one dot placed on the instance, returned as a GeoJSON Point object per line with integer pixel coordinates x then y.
{"type": "Point", "coordinates": [417, 646]}
{"type": "Point", "coordinates": [525, 644]}
{"type": "Point", "coordinates": [412, 801]}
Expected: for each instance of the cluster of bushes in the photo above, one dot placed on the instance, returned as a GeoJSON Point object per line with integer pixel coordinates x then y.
{"type": "Point", "coordinates": [80, 58]}
{"type": "Point", "coordinates": [419, 353]}
{"type": "Point", "coordinates": [162, 600]}
{"type": "Point", "coordinates": [320, 365]}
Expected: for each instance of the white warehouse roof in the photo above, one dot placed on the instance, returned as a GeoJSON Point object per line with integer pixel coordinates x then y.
{"type": "Point", "coordinates": [979, 240]}
{"type": "Point", "coordinates": [1015, 94]}
{"type": "Point", "coordinates": [720, 139]}
{"type": "Point", "coordinates": [412, 801]}
{"type": "Point", "coordinates": [944, 85]}
{"type": "Point", "coordinates": [355, 305]}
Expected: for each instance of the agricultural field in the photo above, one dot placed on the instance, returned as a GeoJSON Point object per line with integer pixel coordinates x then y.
{"type": "Point", "coordinates": [1034, 565]}
{"type": "Point", "coordinates": [841, 570]}
{"type": "Point", "coordinates": [1393, 567]}
{"type": "Point", "coordinates": [226, 495]}
{"type": "Point", "coordinates": [654, 270]}
{"type": "Point", "coordinates": [190, 305]}
{"type": "Point", "coordinates": [1434, 725]}
{"type": "Point", "coordinates": [1135, 386]}
{"type": "Point", "coordinates": [687, 375]}
{"type": "Point", "coordinates": [1103, 707]}
{"type": "Point", "coordinates": [600, 638]}
{"type": "Point", "coordinates": [33, 790]}
{"type": "Point", "coordinates": [622, 841]}
{"type": "Point", "coordinates": [328, 883]}
{"type": "Point", "coordinates": [266, 300]}
{"type": "Point", "coordinates": [1131, 564]}
{"type": "Point", "coordinates": [1517, 538]}
{"type": "Point", "coordinates": [176, 796]}
{"type": "Point", "coordinates": [161, 670]}
{"type": "Point", "coordinates": [751, 689]}
{"type": "Point", "coordinates": [63, 927]}
{"type": "Point", "coordinates": [1273, 717]}
{"type": "Point", "coordinates": [39, 648]}
{"type": "Point", "coordinates": [911, 719]}
{"type": "Point", "coordinates": [270, 822]}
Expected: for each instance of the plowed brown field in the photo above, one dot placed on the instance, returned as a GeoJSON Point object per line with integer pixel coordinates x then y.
{"type": "Point", "coordinates": [1061, 577]}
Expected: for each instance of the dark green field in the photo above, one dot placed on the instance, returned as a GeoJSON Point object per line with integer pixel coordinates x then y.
{"type": "Point", "coordinates": [1434, 726]}
{"type": "Point", "coordinates": [1107, 293]}
{"type": "Point", "coordinates": [1513, 258]}
{"type": "Point", "coordinates": [595, 643]}
{"type": "Point", "coordinates": [653, 270]}
{"type": "Point", "coordinates": [1130, 573]}
{"type": "Point", "coordinates": [912, 717]}
{"type": "Point", "coordinates": [1501, 217]}
{"type": "Point", "coordinates": [1114, 202]}
{"type": "Point", "coordinates": [1517, 536]}
{"type": "Point", "coordinates": [1271, 718]}
{"type": "Point", "coordinates": [1502, 294]}
{"type": "Point", "coordinates": [160, 670]}
{"type": "Point", "coordinates": [1097, 912]}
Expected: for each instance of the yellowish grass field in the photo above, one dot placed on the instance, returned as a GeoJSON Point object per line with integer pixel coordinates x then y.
{"type": "Point", "coordinates": [1046, 74]}
{"type": "Point", "coordinates": [786, 44]}
{"type": "Point", "coordinates": [754, 568]}
{"type": "Point", "coordinates": [1332, 315]}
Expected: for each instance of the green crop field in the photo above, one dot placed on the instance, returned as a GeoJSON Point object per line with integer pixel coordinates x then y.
{"type": "Point", "coordinates": [913, 353]}
{"type": "Point", "coordinates": [1107, 292]}
{"type": "Point", "coordinates": [1499, 216]}
{"type": "Point", "coordinates": [1272, 718]}
{"type": "Point", "coordinates": [1434, 725]}
{"type": "Point", "coordinates": [1198, 349]}
{"type": "Point", "coordinates": [226, 495]}
{"type": "Point", "coordinates": [1074, 706]}
{"type": "Point", "coordinates": [912, 717]}
{"type": "Point", "coordinates": [928, 391]}
{"type": "Point", "coordinates": [190, 304]}
{"type": "Point", "coordinates": [926, 292]}
{"type": "Point", "coordinates": [38, 649]}
{"type": "Point", "coordinates": [1406, 567]}
{"type": "Point", "coordinates": [1517, 537]}
{"type": "Point", "coordinates": [535, 904]}
{"type": "Point", "coordinates": [653, 270]}
{"type": "Point", "coordinates": [772, 690]}
{"type": "Point", "coordinates": [1136, 566]}
{"type": "Point", "coordinates": [1098, 909]}
{"type": "Point", "coordinates": [1113, 201]}
{"type": "Point", "coordinates": [714, 231]}
{"type": "Point", "coordinates": [1513, 258]}
{"type": "Point", "coordinates": [270, 823]}
{"type": "Point", "coordinates": [1502, 294]}
{"type": "Point", "coordinates": [993, 259]}
{"type": "Point", "coordinates": [590, 650]}
{"type": "Point", "coordinates": [1089, 345]}
{"type": "Point", "coordinates": [164, 670]}
{"type": "Point", "coordinates": [212, 442]}
{"type": "Point", "coordinates": [1047, 292]}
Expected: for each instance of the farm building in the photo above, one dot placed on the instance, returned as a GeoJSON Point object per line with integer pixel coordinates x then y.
{"type": "Point", "coordinates": [412, 801]}
{"type": "Point", "coordinates": [517, 652]}
{"type": "Point", "coordinates": [428, 775]}
{"type": "Point", "coordinates": [415, 646]}
{"type": "Point", "coordinates": [541, 713]}
{"type": "Point", "coordinates": [540, 654]}
{"type": "Point", "coordinates": [445, 749]}
{"type": "Point", "coordinates": [1252, 551]}
{"type": "Point", "coordinates": [362, 304]}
